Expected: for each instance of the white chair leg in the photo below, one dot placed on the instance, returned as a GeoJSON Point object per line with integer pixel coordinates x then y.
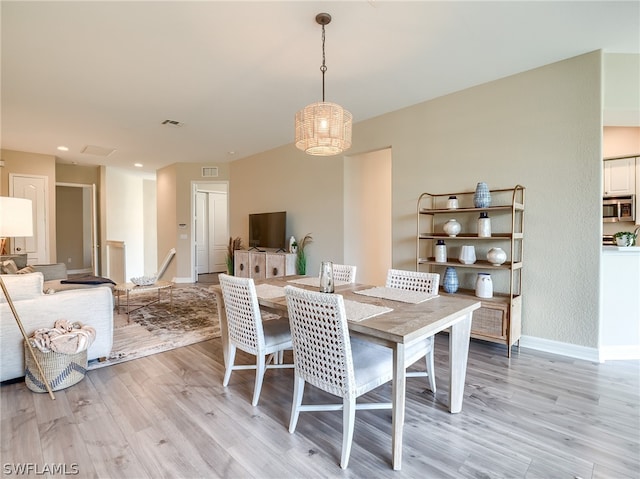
{"type": "Point", "coordinates": [231, 357]}
{"type": "Point", "coordinates": [298, 391]}
{"type": "Point", "coordinates": [260, 369]}
{"type": "Point", "coordinates": [348, 423]}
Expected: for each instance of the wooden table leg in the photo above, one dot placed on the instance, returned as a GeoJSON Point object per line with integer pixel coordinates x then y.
{"type": "Point", "coordinates": [458, 354]}
{"type": "Point", "coordinates": [397, 411]}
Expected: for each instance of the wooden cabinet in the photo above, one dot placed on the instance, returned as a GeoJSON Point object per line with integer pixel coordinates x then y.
{"type": "Point", "coordinates": [263, 264]}
{"type": "Point", "coordinates": [619, 177]}
{"type": "Point", "coordinates": [499, 318]}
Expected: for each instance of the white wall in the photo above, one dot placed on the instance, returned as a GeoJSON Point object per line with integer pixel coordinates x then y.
{"type": "Point", "coordinates": [125, 217]}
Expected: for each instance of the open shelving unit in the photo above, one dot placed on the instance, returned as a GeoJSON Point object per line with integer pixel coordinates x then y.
{"type": "Point", "coordinates": [500, 318]}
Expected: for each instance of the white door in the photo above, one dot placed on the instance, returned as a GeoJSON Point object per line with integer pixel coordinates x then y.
{"type": "Point", "coordinates": [35, 189]}
{"type": "Point", "coordinates": [219, 232]}
{"type": "Point", "coordinates": [202, 232]}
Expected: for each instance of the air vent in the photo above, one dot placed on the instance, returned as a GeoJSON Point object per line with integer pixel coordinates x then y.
{"type": "Point", "coordinates": [173, 123]}
{"type": "Point", "coordinates": [209, 171]}
{"type": "Point", "coordinates": [97, 150]}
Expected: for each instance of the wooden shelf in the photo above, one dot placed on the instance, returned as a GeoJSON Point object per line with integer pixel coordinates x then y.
{"type": "Point", "coordinates": [499, 318]}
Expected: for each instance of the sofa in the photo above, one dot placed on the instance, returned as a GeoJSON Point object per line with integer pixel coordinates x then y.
{"type": "Point", "coordinates": [55, 275]}
{"type": "Point", "coordinates": [36, 309]}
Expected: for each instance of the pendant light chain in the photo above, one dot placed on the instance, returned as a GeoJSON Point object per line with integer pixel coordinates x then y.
{"type": "Point", "coordinates": [323, 68]}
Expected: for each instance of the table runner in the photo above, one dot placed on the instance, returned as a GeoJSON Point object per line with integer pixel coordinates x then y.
{"type": "Point", "coordinates": [269, 291]}
{"type": "Point", "coordinates": [357, 312]}
{"type": "Point", "coordinates": [314, 281]}
{"type": "Point", "coordinates": [395, 294]}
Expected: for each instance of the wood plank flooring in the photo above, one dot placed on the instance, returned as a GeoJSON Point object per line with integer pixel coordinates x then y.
{"type": "Point", "coordinates": [535, 416]}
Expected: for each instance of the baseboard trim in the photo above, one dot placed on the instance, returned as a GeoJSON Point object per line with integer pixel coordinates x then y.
{"type": "Point", "coordinates": [619, 353]}
{"type": "Point", "coordinates": [563, 349]}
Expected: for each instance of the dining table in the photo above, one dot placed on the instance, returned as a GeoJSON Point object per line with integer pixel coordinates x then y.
{"type": "Point", "coordinates": [385, 317]}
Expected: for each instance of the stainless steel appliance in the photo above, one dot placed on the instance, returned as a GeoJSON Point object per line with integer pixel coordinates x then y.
{"type": "Point", "coordinates": [618, 208]}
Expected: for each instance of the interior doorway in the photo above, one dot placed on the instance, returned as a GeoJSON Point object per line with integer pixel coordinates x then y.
{"type": "Point", "coordinates": [368, 237]}
{"type": "Point", "coordinates": [76, 233]}
{"type": "Point", "coordinates": [211, 227]}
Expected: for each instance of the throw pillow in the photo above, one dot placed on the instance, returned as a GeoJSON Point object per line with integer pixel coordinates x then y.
{"type": "Point", "coordinates": [9, 267]}
{"type": "Point", "coordinates": [26, 269]}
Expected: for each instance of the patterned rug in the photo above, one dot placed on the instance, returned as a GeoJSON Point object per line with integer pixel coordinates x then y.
{"type": "Point", "coordinates": [158, 327]}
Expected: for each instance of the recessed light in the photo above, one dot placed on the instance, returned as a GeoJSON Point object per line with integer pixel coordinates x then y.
{"type": "Point", "coordinates": [138, 165]}
{"type": "Point", "coordinates": [63, 148]}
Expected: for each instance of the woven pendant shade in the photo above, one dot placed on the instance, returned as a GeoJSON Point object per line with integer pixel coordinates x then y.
{"type": "Point", "coordinates": [323, 129]}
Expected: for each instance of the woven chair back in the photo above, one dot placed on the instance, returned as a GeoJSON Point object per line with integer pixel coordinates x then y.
{"type": "Point", "coordinates": [344, 272]}
{"type": "Point", "coordinates": [320, 338]}
{"type": "Point", "coordinates": [413, 281]}
{"type": "Point", "coordinates": [244, 322]}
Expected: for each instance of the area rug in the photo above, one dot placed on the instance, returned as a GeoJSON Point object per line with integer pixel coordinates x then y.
{"type": "Point", "coordinates": [158, 327]}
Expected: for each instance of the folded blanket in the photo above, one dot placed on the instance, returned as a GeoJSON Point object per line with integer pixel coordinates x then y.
{"type": "Point", "coordinates": [64, 337]}
{"type": "Point", "coordinates": [87, 279]}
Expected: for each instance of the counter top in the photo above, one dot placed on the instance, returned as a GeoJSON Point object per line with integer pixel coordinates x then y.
{"type": "Point", "coordinates": [621, 249]}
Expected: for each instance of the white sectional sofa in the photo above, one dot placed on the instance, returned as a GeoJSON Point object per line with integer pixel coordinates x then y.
{"type": "Point", "coordinates": [90, 306]}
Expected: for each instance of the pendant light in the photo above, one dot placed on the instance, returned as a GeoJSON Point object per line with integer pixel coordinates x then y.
{"type": "Point", "coordinates": [323, 128]}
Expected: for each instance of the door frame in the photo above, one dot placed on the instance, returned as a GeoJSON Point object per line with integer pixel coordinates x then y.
{"type": "Point", "coordinates": [47, 209]}
{"type": "Point", "coordinates": [94, 223]}
{"type": "Point", "coordinates": [192, 248]}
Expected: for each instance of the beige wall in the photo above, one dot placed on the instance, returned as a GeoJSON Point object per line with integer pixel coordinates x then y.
{"type": "Point", "coordinates": [174, 190]}
{"type": "Point", "coordinates": [540, 128]}
{"type": "Point", "coordinates": [33, 164]}
{"type": "Point", "coordinates": [620, 141]}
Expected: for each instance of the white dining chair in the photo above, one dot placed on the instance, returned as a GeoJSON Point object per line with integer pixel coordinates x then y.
{"type": "Point", "coordinates": [425, 283]}
{"type": "Point", "coordinates": [344, 272]}
{"type": "Point", "coordinates": [249, 333]}
{"type": "Point", "coordinates": [326, 357]}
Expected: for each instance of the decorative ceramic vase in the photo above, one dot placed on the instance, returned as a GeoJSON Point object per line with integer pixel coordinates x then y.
{"type": "Point", "coordinates": [440, 252]}
{"type": "Point", "coordinates": [326, 277]}
{"type": "Point", "coordinates": [484, 286]}
{"type": "Point", "coordinates": [482, 196]}
{"type": "Point", "coordinates": [484, 225]}
{"type": "Point", "coordinates": [452, 202]}
{"type": "Point", "coordinates": [496, 256]}
{"type": "Point", "coordinates": [452, 227]}
{"type": "Point", "coordinates": [450, 280]}
{"type": "Point", "coordinates": [293, 245]}
{"type": "Point", "coordinates": [467, 254]}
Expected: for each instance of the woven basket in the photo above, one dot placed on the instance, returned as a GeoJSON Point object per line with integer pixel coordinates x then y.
{"type": "Point", "coordinates": [61, 370]}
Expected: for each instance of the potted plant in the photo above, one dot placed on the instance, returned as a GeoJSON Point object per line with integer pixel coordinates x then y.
{"type": "Point", "coordinates": [625, 238]}
{"type": "Point", "coordinates": [301, 257]}
{"type": "Point", "coordinates": [234, 244]}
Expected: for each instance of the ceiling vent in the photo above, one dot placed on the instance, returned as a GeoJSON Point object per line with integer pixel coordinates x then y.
{"type": "Point", "coordinates": [209, 171]}
{"type": "Point", "coordinates": [97, 150]}
{"type": "Point", "coordinates": [173, 123]}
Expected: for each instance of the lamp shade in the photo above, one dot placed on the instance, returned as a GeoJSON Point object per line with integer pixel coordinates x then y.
{"type": "Point", "coordinates": [16, 217]}
{"type": "Point", "coordinates": [323, 129]}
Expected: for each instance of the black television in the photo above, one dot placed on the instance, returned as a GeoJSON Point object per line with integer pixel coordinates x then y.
{"type": "Point", "coordinates": [268, 230]}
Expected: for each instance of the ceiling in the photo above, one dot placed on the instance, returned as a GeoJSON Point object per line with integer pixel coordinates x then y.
{"type": "Point", "coordinates": [105, 75]}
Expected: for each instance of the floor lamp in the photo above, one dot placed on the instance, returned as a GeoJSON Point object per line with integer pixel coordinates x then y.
{"type": "Point", "coordinates": [16, 219]}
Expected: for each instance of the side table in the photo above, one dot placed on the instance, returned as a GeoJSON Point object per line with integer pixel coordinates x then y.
{"type": "Point", "coordinates": [130, 289]}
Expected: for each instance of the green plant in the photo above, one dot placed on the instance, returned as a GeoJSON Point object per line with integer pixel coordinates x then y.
{"type": "Point", "coordinates": [630, 237]}
{"type": "Point", "coordinates": [233, 245]}
{"type": "Point", "coordinates": [301, 256]}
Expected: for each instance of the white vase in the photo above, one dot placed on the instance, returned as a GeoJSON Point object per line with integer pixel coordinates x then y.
{"type": "Point", "coordinates": [452, 227]}
{"type": "Point", "coordinates": [467, 255]}
{"type": "Point", "coordinates": [484, 286]}
{"type": "Point", "coordinates": [496, 256]}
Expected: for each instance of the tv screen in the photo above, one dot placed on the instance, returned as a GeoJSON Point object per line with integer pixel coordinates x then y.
{"type": "Point", "coordinates": [268, 230]}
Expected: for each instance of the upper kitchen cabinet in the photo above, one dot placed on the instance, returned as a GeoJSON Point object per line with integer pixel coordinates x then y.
{"type": "Point", "coordinates": [619, 177]}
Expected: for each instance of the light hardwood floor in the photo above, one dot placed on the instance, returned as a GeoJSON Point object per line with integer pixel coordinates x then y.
{"type": "Point", "coordinates": [534, 416]}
